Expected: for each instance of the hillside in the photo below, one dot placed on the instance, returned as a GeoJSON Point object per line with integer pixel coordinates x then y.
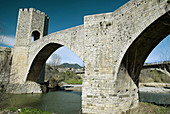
{"type": "Point", "coordinates": [151, 75]}
{"type": "Point", "coordinates": [67, 65]}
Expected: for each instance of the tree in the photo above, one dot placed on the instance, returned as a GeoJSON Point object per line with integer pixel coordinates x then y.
{"type": "Point", "coordinates": [55, 60]}
{"type": "Point", "coordinates": [52, 67]}
{"type": "Point", "coordinates": [4, 65]}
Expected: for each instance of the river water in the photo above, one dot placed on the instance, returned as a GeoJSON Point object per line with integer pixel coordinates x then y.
{"type": "Point", "coordinates": [67, 102]}
{"type": "Point", "coordinates": [60, 102]}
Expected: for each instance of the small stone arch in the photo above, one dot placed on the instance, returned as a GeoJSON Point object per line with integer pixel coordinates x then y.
{"type": "Point", "coordinates": [35, 35]}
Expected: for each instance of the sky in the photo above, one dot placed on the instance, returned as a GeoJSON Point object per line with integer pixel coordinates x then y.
{"type": "Point", "coordinates": [65, 14]}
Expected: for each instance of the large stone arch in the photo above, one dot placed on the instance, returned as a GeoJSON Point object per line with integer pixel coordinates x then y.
{"type": "Point", "coordinates": [111, 37]}
{"type": "Point", "coordinates": [41, 49]}
{"type": "Point", "coordinates": [39, 62]}
{"type": "Point", "coordinates": [142, 46]}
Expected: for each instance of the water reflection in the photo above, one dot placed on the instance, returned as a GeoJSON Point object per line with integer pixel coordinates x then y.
{"type": "Point", "coordinates": [21, 100]}
{"type": "Point", "coordinates": [58, 101]}
{"type": "Point", "coordinates": [67, 102]}
{"type": "Point", "coordinates": [157, 98]}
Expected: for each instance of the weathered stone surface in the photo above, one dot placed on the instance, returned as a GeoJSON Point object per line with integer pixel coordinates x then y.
{"type": "Point", "coordinates": [113, 47]}
{"type": "Point", "coordinates": [27, 87]}
{"type": "Point", "coordinates": [30, 23]}
{"type": "Point", "coordinates": [5, 65]}
{"type": "Point", "coordinates": [116, 46]}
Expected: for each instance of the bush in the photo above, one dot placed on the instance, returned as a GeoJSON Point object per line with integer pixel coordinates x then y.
{"type": "Point", "coordinates": [73, 81]}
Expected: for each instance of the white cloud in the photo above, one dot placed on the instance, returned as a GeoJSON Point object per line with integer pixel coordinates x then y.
{"type": "Point", "coordinates": [7, 40]}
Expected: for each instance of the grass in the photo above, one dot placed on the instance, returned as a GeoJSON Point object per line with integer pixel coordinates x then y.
{"type": "Point", "coordinates": [148, 108]}
{"type": "Point", "coordinates": [73, 81]}
{"type": "Point", "coordinates": [25, 111]}
{"type": "Point", "coordinates": [144, 108]}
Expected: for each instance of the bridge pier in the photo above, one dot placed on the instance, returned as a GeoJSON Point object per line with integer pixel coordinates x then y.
{"type": "Point", "coordinates": [101, 93]}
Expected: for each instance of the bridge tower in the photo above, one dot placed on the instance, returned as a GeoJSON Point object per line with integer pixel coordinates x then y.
{"type": "Point", "coordinates": [31, 24]}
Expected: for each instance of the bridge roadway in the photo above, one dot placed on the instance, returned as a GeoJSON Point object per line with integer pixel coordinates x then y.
{"type": "Point", "coordinates": [156, 64]}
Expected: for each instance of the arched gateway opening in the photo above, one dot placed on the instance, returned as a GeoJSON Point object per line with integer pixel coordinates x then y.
{"type": "Point", "coordinates": [142, 46]}
{"type": "Point", "coordinates": [35, 35]}
{"type": "Point", "coordinates": [39, 61]}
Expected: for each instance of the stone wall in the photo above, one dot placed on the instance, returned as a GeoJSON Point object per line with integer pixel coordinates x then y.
{"type": "Point", "coordinates": [5, 65]}
{"type": "Point", "coordinates": [27, 87]}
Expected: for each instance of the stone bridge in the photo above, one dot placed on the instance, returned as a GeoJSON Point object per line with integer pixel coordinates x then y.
{"type": "Point", "coordinates": [163, 67]}
{"type": "Point", "coordinates": [112, 45]}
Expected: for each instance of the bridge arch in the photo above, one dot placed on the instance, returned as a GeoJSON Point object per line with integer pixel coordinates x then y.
{"type": "Point", "coordinates": [41, 49]}
{"type": "Point", "coordinates": [39, 61]}
{"type": "Point", "coordinates": [142, 46]}
{"type": "Point", "coordinates": [126, 37]}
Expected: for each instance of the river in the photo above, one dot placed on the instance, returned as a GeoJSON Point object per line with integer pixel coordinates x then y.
{"type": "Point", "coordinates": [60, 102]}
{"type": "Point", "coordinates": [67, 102]}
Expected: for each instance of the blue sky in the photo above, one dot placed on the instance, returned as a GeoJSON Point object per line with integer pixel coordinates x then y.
{"type": "Point", "coordinates": [64, 14]}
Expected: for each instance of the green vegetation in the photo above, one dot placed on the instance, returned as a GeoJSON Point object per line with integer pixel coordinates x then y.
{"type": "Point", "coordinates": [148, 76]}
{"type": "Point", "coordinates": [73, 81]}
{"type": "Point", "coordinates": [24, 111]}
{"type": "Point", "coordinates": [55, 73]}
{"type": "Point", "coordinates": [68, 77]}
{"type": "Point", "coordinates": [148, 108]}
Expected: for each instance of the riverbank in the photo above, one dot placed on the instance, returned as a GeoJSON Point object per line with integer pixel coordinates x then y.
{"type": "Point", "coordinates": [143, 87]}
{"type": "Point", "coordinates": [153, 84]}
{"type": "Point", "coordinates": [154, 87]}
{"type": "Point", "coordinates": [148, 108]}
{"type": "Point", "coordinates": [69, 102]}
{"type": "Point", "coordinates": [143, 108]}
{"type": "Point", "coordinates": [23, 111]}
{"type": "Point", "coordinates": [72, 87]}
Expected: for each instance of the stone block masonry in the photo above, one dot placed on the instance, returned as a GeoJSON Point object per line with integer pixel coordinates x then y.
{"type": "Point", "coordinates": [5, 67]}
{"type": "Point", "coordinates": [112, 45]}
{"type": "Point", "coordinates": [116, 46]}
{"type": "Point", "coordinates": [30, 21]}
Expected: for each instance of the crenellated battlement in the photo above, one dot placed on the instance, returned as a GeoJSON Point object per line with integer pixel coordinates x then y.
{"type": "Point", "coordinates": [32, 10]}
{"type": "Point", "coordinates": [31, 22]}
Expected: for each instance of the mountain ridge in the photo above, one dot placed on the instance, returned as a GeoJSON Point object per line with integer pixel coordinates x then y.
{"type": "Point", "coordinates": [64, 65]}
